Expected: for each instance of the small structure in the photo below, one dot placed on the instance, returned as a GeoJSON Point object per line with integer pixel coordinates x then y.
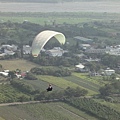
{"type": "Point", "coordinates": [109, 71]}
{"type": "Point", "coordinates": [26, 49]}
{"type": "Point", "coordinates": [92, 60]}
{"type": "Point", "coordinates": [95, 51]}
{"type": "Point", "coordinates": [85, 46]}
{"type": "Point", "coordinates": [4, 73]}
{"type": "Point", "coordinates": [80, 68]}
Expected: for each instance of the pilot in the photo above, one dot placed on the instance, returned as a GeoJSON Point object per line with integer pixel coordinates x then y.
{"type": "Point", "coordinates": [49, 88]}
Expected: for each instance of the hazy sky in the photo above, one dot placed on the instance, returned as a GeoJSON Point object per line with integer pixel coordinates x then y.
{"type": "Point", "coordinates": [101, 6]}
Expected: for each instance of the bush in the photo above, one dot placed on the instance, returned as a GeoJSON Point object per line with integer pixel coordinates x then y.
{"type": "Point", "coordinates": [30, 76]}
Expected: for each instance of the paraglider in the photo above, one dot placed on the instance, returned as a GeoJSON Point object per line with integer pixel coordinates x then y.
{"type": "Point", "coordinates": [49, 88]}
{"type": "Point", "coordinates": [42, 38]}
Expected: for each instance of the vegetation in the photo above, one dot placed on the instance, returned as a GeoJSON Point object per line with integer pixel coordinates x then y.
{"type": "Point", "coordinates": [111, 89]}
{"type": "Point", "coordinates": [92, 107]}
{"type": "Point", "coordinates": [44, 111]}
{"type": "Point", "coordinates": [59, 72]}
{"type": "Point", "coordinates": [11, 94]}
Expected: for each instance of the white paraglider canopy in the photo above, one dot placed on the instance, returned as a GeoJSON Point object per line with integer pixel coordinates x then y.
{"type": "Point", "coordinates": [42, 38]}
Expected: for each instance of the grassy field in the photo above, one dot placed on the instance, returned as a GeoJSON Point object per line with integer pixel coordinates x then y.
{"type": "Point", "coordinates": [43, 111]}
{"type": "Point", "coordinates": [14, 64]}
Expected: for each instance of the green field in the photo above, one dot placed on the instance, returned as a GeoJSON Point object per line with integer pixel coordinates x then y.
{"type": "Point", "coordinates": [43, 111]}
{"type": "Point", "coordinates": [58, 18]}
{"type": "Point", "coordinates": [14, 64]}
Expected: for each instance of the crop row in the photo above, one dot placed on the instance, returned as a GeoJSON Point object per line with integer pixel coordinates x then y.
{"type": "Point", "coordinates": [83, 83]}
{"type": "Point", "coordinates": [94, 108]}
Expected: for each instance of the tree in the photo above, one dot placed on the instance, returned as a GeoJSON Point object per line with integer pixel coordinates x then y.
{"type": "Point", "coordinates": [11, 74]}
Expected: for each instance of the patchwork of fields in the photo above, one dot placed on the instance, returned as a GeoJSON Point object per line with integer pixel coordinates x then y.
{"type": "Point", "coordinates": [51, 111]}
{"type": "Point", "coordinates": [76, 80]}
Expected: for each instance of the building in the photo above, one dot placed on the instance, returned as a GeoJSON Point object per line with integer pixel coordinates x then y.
{"type": "Point", "coordinates": [83, 40]}
{"type": "Point", "coordinates": [96, 51]}
{"type": "Point", "coordinates": [109, 71]}
{"type": "Point", "coordinates": [113, 50]}
{"type": "Point", "coordinates": [56, 51]}
{"type": "Point", "coordinates": [85, 46]}
{"type": "Point", "coordinates": [26, 49]}
{"type": "Point", "coordinates": [80, 67]}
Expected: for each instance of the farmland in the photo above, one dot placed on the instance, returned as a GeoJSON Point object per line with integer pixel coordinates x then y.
{"type": "Point", "coordinates": [76, 80]}
{"type": "Point", "coordinates": [44, 111]}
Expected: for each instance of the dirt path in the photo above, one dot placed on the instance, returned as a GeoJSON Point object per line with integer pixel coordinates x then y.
{"type": "Point", "coordinates": [29, 102]}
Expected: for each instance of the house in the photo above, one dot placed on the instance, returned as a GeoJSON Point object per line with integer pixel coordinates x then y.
{"type": "Point", "coordinates": [4, 73]}
{"type": "Point", "coordinates": [9, 52]}
{"type": "Point", "coordinates": [56, 51]}
{"type": "Point", "coordinates": [80, 67]}
{"type": "Point", "coordinates": [113, 50]}
{"type": "Point", "coordinates": [26, 49]}
{"type": "Point", "coordinates": [109, 71]}
{"type": "Point", "coordinates": [85, 46]}
{"type": "Point", "coordinates": [10, 47]}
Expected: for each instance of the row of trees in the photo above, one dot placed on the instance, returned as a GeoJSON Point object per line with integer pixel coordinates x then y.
{"type": "Point", "coordinates": [51, 71]}
{"type": "Point", "coordinates": [56, 61]}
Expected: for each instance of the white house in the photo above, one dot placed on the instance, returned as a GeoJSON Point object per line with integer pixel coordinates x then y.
{"type": "Point", "coordinates": [4, 74]}
{"type": "Point", "coordinates": [109, 71]}
{"type": "Point", "coordinates": [80, 67]}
